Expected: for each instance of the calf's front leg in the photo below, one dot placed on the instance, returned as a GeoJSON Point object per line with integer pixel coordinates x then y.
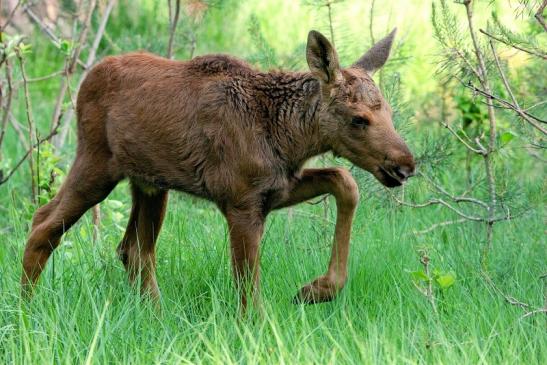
{"type": "Point", "coordinates": [339, 183]}
{"type": "Point", "coordinates": [246, 227]}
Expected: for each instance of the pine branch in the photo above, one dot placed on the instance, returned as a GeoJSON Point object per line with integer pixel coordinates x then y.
{"type": "Point", "coordinates": [539, 15]}
{"type": "Point", "coordinates": [527, 116]}
{"type": "Point", "coordinates": [534, 53]}
{"type": "Point", "coordinates": [515, 105]}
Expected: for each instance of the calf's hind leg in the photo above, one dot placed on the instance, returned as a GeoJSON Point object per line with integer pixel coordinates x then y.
{"type": "Point", "coordinates": [87, 184]}
{"type": "Point", "coordinates": [339, 183]}
{"type": "Point", "coordinates": [137, 248]}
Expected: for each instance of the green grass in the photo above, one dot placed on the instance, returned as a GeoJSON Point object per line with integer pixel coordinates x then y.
{"type": "Point", "coordinates": [378, 318]}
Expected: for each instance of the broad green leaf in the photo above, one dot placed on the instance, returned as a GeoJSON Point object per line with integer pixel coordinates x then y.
{"type": "Point", "coordinates": [445, 281]}
{"type": "Point", "coordinates": [419, 275]}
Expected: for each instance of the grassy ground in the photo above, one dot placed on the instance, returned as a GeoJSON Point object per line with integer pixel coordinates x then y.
{"type": "Point", "coordinates": [85, 310]}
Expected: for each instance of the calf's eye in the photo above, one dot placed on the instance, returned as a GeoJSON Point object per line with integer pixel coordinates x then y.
{"type": "Point", "coordinates": [359, 121]}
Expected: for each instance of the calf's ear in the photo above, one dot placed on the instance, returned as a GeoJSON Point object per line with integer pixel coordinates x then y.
{"type": "Point", "coordinates": [377, 56]}
{"type": "Point", "coordinates": [322, 58]}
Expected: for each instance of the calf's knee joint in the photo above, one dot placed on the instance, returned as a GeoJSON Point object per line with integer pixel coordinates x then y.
{"type": "Point", "coordinates": [347, 187]}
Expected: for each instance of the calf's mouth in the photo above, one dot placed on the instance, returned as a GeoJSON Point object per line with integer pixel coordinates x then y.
{"type": "Point", "coordinates": [389, 179]}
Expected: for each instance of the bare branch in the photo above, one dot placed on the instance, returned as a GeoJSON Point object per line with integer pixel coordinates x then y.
{"type": "Point", "coordinates": [7, 106]}
{"type": "Point", "coordinates": [174, 21]}
{"type": "Point", "coordinates": [454, 198]}
{"type": "Point", "coordinates": [424, 260]}
{"type": "Point", "coordinates": [512, 300]}
{"type": "Point", "coordinates": [436, 201]}
{"type": "Point", "coordinates": [10, 17]}
{"type": "Point", "coordinates": [371, 21]}
{"type": "Point", "coordinates": [45, 29]}
{"type": "Point", "coordinates": [536, 311]}
{"type": "Point", "coordinates": [99, 35]}
{"type": "Point", "coordinates": [481, 151]}
{"type": "Point", "coordinates": [19, 130]}
{"type": "Point", "coordinates": [33, 135]}
{"type": "Point", "coordinates": [536, 105]}
{"type": "Point", "coordinates": [469, 65]}
{"type": "Point", "coordinates": [46, 77]}
{"type": "Point", "coordinates": [193, 44]}
{"type": "Point", "coordinates": [83, 37]}
{"type": "Point", "coordinates": [60, 139]}
{"type": "Point", "coordinates": [57, 111]}
{"type": "Point", "coordinates": [328, 4]}
{"type": "Point", "coordinates": [441, 224]}
{"type": "Point", "coordinates": [509, 299]}
{"type": "Point", "coordinates": [26, 155]}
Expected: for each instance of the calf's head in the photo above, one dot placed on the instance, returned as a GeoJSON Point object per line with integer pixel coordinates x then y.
{"type": "Point", "coordinates": [354, 117]}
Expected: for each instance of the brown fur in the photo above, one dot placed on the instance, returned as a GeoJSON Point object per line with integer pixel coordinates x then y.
{"type": "Point", "coordinates": [216, 128]}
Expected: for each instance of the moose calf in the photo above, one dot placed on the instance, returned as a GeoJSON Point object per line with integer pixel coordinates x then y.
{"type": "Point", "coordinates": [216, 128]}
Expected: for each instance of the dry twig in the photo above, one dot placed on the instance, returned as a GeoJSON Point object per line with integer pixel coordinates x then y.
{"type": "Point", "coordinates": [441, 224]}
{"type": "Point", "coordinates": [10, 16]}
{"type": "Point", "coordinates": [26, 155]}
{"type": "Point", "coordinates": [19, 130]}
{"type": "Point", "coordinates": [9, 99]}
{"type": "Point", "coordinates": [32, 131]}
{"type": "Point", "coordinates": [71, 66]}
{"type": "Point", "coordinates": [45, 29]}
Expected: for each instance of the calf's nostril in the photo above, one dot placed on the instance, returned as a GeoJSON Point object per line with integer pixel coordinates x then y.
{"type": "Point", "coordinates": [403, 172]}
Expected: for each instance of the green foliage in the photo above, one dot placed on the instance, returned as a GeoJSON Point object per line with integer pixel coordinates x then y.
{"type": "Point", "coordinates": [66, 46]}
{"type": "Point", "coordinates": [50, 174]}
{"type": "Point", "coordinates": [441, 280]}
{"type": "Point", "coordinates": [446, 27]}
{"type": "Point", "coordinates": [472, 112]}
{"type": "Point", "coordinates": [379, 317]}
{"type": "Point", "coordinates": [529, 39]}
{"type": "Point", "coordinates": [10, 45]}
{"type": "Point", "coordinates": [265, 55]}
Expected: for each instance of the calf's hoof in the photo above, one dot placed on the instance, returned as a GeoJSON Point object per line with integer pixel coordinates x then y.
{"type": "Point", "coordinates": [319, 291]}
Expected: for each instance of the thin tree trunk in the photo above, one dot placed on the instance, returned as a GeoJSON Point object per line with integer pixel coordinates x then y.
{"type": "Point", "coordinates": [173, 29]}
